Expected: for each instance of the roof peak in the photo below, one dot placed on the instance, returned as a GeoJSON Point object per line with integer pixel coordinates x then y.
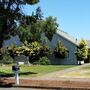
{"type": "Point", "coordinates": [67, 36]}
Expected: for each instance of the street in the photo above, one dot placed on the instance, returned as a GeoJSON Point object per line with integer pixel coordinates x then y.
{"type": "Point", "coordinates": [12, 88]}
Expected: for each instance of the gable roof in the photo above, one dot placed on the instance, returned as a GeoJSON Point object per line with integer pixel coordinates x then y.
{"type": "Point", "coordinates": [67, 37]}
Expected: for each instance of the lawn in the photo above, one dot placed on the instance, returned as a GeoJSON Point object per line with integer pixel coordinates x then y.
{"type": "Point", "coordinates": [83, 72]}
{"type": "Point", "coordinates": [86, 67]}
{"type": "Point", "coordinates": [34, 70]}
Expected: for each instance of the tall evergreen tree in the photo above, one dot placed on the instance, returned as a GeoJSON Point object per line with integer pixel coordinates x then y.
{"type": "Point", "coordinates": [39, 14]}
{"type": "Point", "coordinates": [34, 25]}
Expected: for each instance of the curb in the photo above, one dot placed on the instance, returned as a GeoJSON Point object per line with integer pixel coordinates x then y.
{"type": "Point", "coordinates": [48, 84]}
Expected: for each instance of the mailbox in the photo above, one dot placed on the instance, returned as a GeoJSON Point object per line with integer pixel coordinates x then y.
{"type": "Point", "coordinates": [15, 68]}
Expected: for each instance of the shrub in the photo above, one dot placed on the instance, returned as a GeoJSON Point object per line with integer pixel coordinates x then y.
{"type": "Point", "coordinates": [7, 59]}
{"type": "Point", "coordinates": [60, 51]}
{"type": "Point", "coordinates": [44, 61]}
{"type": "Point", "coordinates": [82, 51]}
{"type": "Point", "coordinates": [34, 51]}
{"type": "Point", "coordinates": [45, 51]}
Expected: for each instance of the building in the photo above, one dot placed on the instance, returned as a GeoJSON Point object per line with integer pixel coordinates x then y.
{"type": "Point", "coordinates": [60, 36]}
{"type": "Point", "coordinates": [88, 45]}
{"type": "Point", "coordinates": [69, 42]}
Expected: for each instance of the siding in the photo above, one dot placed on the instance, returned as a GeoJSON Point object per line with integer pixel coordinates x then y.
{"type": "Point", "coordinates": [71, 59]}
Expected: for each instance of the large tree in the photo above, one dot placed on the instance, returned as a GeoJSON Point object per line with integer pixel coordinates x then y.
{"type": "Point", "coordinates": [10, 14]}
{"type": "Point", "coordinates": [32, 32]}
{"type": "Point", "coordinates": [50, 27]}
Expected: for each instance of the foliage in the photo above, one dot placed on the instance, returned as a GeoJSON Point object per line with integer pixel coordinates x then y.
{"type": "Point", "coordinates": [37, 50]}
{"type": "Point", "coordinates": [60, 51]}
{"type": "Point", "coordinates": [31, 2]}
{"type": "Point", "coordinates": [10, 14]}
{"type": "Point", "coordinates": [4, 57]}
{"type": "Point", "coordinates": [31, 32]}
{"type": "Point", "coordinates": [34, 50]}
{"type": "Point", "coordinates": [7, 59]}
{"type": "Point", "coordinates": [45, 51]}
{"type": "Point", "coordinates": [82, 51]}
{"type": "Point", "coordinates": [31, 27]}
{"type": "Point", "coordinates": [12, 50]}
{"type": "Point", "coordinates": [39, 14]}
{"type": "Point", "coordinates": [44, 61]}
{"type": "Point", "coordinates": [3, 51]}
{"type": "Point", "coordinates": [50, 27]}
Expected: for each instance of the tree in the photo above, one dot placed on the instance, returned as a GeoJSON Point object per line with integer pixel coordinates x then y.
{"type": "Point", "coordinates": [50, 27]}
{"type": "Point", "coordinates": [60, 51]}
{"type": "Point", "coordinates": [39, 14]}
{"type": "Point", "coordinates": [32, 32]}
{"type": "Point", "coordinates": [82, 51]}
{"type": "Point", "coordinates": [10, 14]}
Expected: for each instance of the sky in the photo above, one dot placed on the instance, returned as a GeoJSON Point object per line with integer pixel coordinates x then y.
{"type": "Point", "coordinates": [73, 16]}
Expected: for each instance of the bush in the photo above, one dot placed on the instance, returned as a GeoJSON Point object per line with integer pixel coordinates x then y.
{"type": "Point", "coordinates": [44, 61]}
{"type": "Point", "coordinates": [82, 51]}
{"type": "Point", "coordinates": [60, 51]}
{"type": "Point", "coordinates": [34, 51]}
{"type": "Point", "coordinates": [45, 51]}
{"type": "Point", "coordinates": [7, 59]}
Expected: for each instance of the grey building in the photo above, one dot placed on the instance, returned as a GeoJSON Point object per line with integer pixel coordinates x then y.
{"type": "Point", "coordinates": [60, 36]}
{"type": "Point", "coordinates": [69, 42]}
{"type": "Point", "coordinates": [88, 45]}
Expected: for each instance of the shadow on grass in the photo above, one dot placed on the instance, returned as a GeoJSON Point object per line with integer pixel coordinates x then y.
{"type": "Point", "coordinates": [26, 73]}
{"type": "Point", "coordinates": [2, 74]}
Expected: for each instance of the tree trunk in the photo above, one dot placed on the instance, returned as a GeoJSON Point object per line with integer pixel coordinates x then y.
{"type": "Point", "coordinates": [1, 45]}
{"type": "Point", "coordinates": [1, 41]}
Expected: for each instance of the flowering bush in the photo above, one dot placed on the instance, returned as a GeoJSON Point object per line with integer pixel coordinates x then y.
{"type": "Point", "coordinates": [34, 50]}
{"type": "Point", "coordinates": [60, 51]}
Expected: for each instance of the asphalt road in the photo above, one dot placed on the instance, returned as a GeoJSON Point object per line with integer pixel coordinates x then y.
{"type": "Point", "coordinates": [22, 89]}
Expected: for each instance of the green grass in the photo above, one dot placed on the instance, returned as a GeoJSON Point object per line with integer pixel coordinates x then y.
{"type": "Point", "coordinates": [34, 70]}
{"type": "Point", "coordinates": [86, 67]}
{"type": "Point", "coordinates": [83, 72]}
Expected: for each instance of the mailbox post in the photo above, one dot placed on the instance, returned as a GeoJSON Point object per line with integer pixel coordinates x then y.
{"type": "Point", "coordinates": [15, 69]}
